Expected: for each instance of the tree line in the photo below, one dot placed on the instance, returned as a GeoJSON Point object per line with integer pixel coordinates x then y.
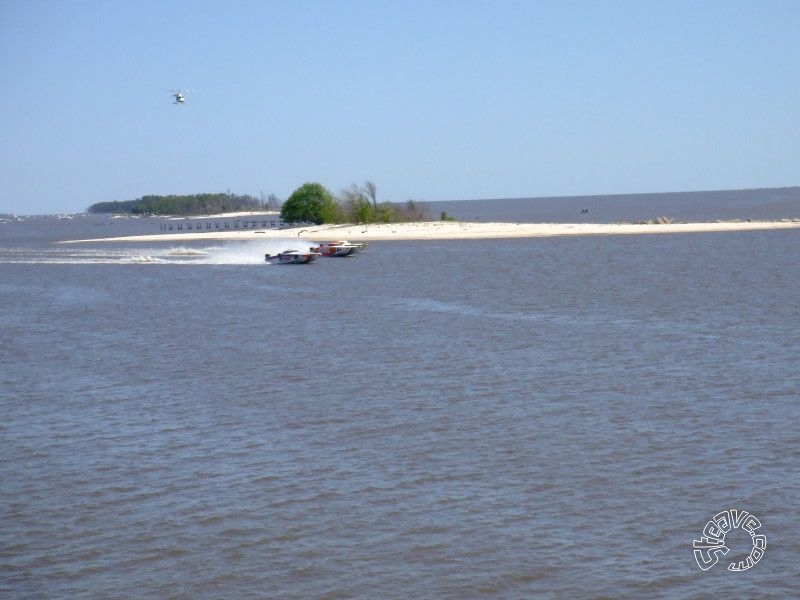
{"type": "Point", "coordinates": [310, 203]}
{"type": "Point", "coordinates": [189, 205]}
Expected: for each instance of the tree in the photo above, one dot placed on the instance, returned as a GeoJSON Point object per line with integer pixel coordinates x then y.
{"type": "Point", "coordinates": [414, 211]}
{"type": "Point", "coordinates": [372, 192]}
{"type": "Point", "coordinates": [273, 202]}
{"type": "Point", "coordinates": [355, 205]}
{"type": "Point", "coordinates": [310, 202]}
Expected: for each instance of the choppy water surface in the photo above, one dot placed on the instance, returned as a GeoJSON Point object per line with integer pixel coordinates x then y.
{"type": "Point", "coordinates": [554, 418]}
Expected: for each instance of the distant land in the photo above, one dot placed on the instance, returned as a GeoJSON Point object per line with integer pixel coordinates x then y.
{"type": "Point", "coordinates": [186, 205]}
{"type": "Point", "coordinates": [745, 195]}
{"type": "Point", "coordinates": [754, 203]}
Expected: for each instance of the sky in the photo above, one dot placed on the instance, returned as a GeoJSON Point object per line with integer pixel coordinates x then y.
{"type": "Point", "coordinates": [429, 100]}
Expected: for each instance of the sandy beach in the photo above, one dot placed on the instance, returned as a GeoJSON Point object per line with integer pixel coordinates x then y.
{"type": "Point", "coordinates": [453, 230]}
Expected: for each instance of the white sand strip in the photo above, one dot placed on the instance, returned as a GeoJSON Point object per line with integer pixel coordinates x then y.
{"type": "Point", "coordinates": [452, 230]}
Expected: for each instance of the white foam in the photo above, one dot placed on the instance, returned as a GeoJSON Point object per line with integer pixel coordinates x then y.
{"type": "Point", "coordinates": [233, 253]}
{"type": "Point", "coordinates": [250, 252]}
{"type": "Point", "coordinates": [184, 251]}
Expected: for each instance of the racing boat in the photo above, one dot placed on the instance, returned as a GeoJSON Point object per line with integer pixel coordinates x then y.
{"type": "Point", "coordinates": [342, 248]}
{"type": "Point", "coordinates": [291, 257]}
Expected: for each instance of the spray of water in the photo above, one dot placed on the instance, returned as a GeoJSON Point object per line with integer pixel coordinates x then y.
{"type": "Point", "coordinates": [238, 253]}
{"type": "Point", "coordinates": [248, 253]}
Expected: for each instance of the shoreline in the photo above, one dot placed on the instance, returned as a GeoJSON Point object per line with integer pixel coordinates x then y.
{"type": "Point", "coordinates": [452, 230]}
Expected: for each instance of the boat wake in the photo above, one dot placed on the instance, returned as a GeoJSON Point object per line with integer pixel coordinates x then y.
{"type": "Point", "coordinates": [144, 259]}
{"type": "Point", "coordinates": [239, 253]}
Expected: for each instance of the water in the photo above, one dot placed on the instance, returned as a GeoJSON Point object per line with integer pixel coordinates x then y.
{"type": "Point", "coordinates": [761, 204]}
{"type": "Point", "coordinates": [550, 418]}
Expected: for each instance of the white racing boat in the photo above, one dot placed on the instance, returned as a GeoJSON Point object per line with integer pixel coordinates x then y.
{"type": "Point", "coordinates": [343, 248]}
{"type": "Point", "coordinates": [291, 257]}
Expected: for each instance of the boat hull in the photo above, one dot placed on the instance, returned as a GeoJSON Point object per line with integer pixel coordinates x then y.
{"type": "Point", "coordinates": [291, 257]}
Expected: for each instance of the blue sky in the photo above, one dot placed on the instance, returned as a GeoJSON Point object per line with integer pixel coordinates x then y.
{"type": "Point", "coordinates": [430, 100]}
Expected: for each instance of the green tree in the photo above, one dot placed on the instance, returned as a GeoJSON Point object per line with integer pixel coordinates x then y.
{"type": "Point", "coordinates": [386, 212]}
{"type": "Point", "coordinates": [310, 202]}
